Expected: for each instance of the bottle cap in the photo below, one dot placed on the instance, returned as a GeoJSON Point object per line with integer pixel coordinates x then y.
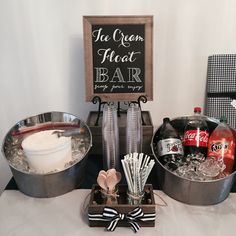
{"type": "Point", "coordinates": [197, 109]}
{"type": "Point", "coordinates": [166, 119]}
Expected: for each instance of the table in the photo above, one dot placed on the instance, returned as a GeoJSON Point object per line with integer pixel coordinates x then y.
{"type": "Point", "coordinates": [63, 215]}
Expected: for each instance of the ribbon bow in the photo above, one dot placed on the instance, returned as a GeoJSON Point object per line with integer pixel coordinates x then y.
{"type": "Point", "coordinates": [112, 216]}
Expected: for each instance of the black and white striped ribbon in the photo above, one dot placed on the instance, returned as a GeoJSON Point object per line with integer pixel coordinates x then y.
{"type": "Point", "coordinates": [112, 216]}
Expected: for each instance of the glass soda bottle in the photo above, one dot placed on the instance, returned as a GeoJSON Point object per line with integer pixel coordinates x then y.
{"type": "Point", "coordinates": [169, 145]}
{"type": "Point", "coordinates": [196, 135]}
{"type": "Point", "coordinates": [222, 145]}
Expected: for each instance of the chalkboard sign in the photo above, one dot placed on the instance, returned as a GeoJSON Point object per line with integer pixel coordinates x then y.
{"type": "Point", "coordinates": [118, 57]}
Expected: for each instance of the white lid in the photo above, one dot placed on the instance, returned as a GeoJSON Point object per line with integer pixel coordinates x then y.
{"type": "Point", "coordinates": [44, 141]}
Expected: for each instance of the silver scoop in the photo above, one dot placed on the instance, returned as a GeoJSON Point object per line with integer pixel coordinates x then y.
{"type": "Point", "coordinates": [69, 132]}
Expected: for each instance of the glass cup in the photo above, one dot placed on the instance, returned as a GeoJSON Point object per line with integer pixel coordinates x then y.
{"type": "Point", "coordinates": [134, 130]}
{"type": "Point", "coordinates": [135, 198]}
{"type": "Point", "coordinates": [110, 138]}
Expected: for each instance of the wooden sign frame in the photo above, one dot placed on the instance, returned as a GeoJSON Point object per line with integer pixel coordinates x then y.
{"type": "Point", "coordinates": [136, 81]}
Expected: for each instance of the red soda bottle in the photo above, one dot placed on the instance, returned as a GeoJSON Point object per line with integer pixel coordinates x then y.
{"type": "Point", "coordinates": [222, 145]}
{"type": "Point", "coordinates": [196, 135]}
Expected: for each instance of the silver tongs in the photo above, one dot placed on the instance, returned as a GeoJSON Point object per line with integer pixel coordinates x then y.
{"type": "Point", "coordinates": [69, 132]}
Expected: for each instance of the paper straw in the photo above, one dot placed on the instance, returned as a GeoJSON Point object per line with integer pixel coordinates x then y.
{"type": "Point", "coordinates": [149, 168]}
{"type": "Point", "coordinates": [137, 169]}
{"type": "Point", "coordinates": [127, 176]}
{"type": "Point", "coordinates": [140, 160]}
{"type": "Point", "coordinates": [144, 162]}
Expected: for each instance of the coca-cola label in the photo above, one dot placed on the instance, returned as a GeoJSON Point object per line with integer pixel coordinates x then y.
{"type": "Point", "coordinates": [170, 146]}
{"type": "Point", "coordinates": [198, 138]}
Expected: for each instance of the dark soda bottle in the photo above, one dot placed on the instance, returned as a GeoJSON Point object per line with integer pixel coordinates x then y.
{"type": "Point", "coordinates": [196, 135]}
{"type": "Point", "coordinates": [169, 146]}
{"type": "Point", "coordinates": [221, 146]}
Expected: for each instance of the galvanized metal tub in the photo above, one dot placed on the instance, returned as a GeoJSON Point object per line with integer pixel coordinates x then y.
{"type": "Point", "coordinates": [189, 191]}
{"type": "Point", "coordinates": [54, 183]}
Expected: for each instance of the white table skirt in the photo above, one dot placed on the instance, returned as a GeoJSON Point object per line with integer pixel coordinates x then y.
{"type": "Point", "coordinates": [23, 215]}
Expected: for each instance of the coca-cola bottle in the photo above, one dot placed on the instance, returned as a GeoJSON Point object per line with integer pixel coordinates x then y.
{"type": "Point", "coordinates": [196, 135]}
{"type": "Point", "coordinates": [169, 145]}
{"type": "Point", "coordinates": [221, 145]}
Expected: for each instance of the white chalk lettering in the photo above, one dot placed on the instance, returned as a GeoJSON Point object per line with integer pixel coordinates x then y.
{"type": "Point", "coordinates": [114, 75]}
{"type": "Point", "coordinates": [135, 87]}
{"type": "Point", "coordinates": [111, 56]}
{"type": "Point", "coordinates": [116, 87]}
{"type": "Point", "coordinates": [101, 74]}
{"type": "Point", "coordinates": [97, 34]}
{"type": "Point", "coordinates": [117, 75]}
{"type": "Point", "coordinates": [125, 39]}
{"type": "Point", "coordinates": [103, 87]}
{"type": "Point", "coordinates": [134, 74]}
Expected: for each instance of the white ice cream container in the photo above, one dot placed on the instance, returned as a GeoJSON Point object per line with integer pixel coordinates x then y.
{"type": "Point", "coordinates": [47, 152]}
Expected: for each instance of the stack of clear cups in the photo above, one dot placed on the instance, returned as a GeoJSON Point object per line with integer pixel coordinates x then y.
{"type": "Point", "coordinates": [110, 138]}
{"type": "Point", "coordinates": [134, 136]}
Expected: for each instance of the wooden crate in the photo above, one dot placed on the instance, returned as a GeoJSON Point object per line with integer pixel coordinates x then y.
{"type": "Point", "coordinates": [97, 204]}
{"type": "Point", "coordinates": [97, 132]}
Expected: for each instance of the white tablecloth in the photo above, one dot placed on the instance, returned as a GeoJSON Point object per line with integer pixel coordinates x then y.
{"type": "Point", "coordinates": [23, 215]}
